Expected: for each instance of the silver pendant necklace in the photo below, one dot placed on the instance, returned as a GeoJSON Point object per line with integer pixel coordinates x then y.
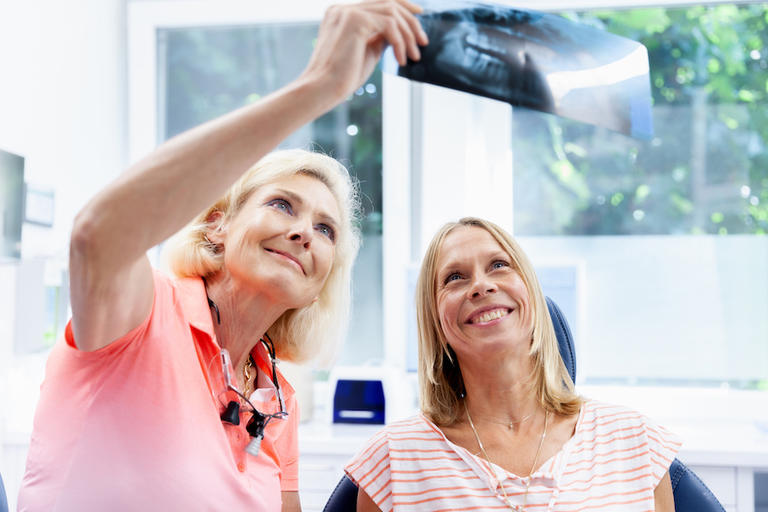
{"type": "Point", "coordinates": [517, 508]}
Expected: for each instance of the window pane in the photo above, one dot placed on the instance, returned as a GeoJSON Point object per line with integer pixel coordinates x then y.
{"type": "Point", "coordinates": [208, 71]}
{"type": "Point", "coordinates": [668, 234]}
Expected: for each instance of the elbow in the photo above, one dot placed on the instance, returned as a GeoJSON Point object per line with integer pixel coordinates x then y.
{"type": "Point", "coordinates": [83, 238]}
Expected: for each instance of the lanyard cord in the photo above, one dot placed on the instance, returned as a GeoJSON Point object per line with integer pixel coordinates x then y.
{"type": "Point", "coordinates": [271, 350]}
{"type": "Point", "coordinates": [270, 346]}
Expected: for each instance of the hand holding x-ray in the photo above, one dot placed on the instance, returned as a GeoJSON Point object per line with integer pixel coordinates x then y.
{"type": "Point", "coordinates": [535, 60]}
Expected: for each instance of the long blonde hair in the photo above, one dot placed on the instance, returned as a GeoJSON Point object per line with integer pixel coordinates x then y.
{"type": "Point", "coordinates": [440, 381]}
{"type": "Point", "coordinates": [315, 330]}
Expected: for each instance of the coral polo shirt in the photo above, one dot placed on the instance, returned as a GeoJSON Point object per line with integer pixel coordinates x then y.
{"type": "Point", "coordinates": [135, 425]}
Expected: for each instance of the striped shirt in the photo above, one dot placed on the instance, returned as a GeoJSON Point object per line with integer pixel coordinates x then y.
{"type": "Point", "coordinates": [614, 461]}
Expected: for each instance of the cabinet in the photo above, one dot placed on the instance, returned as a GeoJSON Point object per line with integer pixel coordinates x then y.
{"type": "Point", "coordinates": [324, 451]}
{"type": "Point", "coordinates": [733, 486]}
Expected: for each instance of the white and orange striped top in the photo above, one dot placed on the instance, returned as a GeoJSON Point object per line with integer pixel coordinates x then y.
{"type": "Point", "coordinates": [614, 461]}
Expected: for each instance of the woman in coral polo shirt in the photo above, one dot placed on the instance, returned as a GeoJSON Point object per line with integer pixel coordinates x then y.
{"type": "Point", "coordinates": [163, 393]}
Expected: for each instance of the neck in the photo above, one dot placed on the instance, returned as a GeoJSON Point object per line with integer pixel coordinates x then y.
{"type": "Point", "coordinates": [501, 391]}
{"type": "Point", "coordinates": [245, 317]}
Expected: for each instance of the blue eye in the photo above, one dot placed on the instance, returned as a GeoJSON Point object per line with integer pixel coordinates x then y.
{"type": "Point", "coordinates": [499, 264]}
{"type": "Point", "coordinates": [282, 205]}
{"type": "Point", "coordinates": [326, 230]}
{"type": "Point", "coordinates": [452, 277]}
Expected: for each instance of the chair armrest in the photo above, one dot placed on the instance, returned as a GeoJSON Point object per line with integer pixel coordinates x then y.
{"type": "Point", "coordinates": [691, 494]}
{"type": "Point", "coordinates": [343, 498]}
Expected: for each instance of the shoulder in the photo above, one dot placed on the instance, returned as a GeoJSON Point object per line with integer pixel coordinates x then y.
{"type": "Point", "coordinates": [397, 436]}
{"type": "Point", "coordinates": [406, 431]}
{"type": "Point", "coordinates": [604, 414]}
{"type": "Point", "coordinates": [168, 306]}
{"type": "Point", "coordinates": [414, 425]}
{"type": "Point", "coordinates": [624, 425]}
{"type": "Point", "coordinates": [164, 299]}
{"type": "Point", "coordinates": [413, 433]}
{"type": "Point", "coordinates": [166, 293]}
{"type": "Point", "coordinates": [621, 444]}
{"type": "Point", "coordinates": [397, 445]}
{"type": "Point", "coordinates": [604, 424]}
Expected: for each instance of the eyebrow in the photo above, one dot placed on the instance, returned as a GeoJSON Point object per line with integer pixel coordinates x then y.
{"type": "Point", "coordinates": [452, 265]}
{"type": "Point", "coordinates": [298, 200]}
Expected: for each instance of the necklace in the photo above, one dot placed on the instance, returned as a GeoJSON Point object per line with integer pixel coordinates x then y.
{"type": "Point", "coordinates": [533, 466]}
{"type": "Point", "coordinates": [509, 424]}
{"type": "Point", "coordinates": [247, 367]}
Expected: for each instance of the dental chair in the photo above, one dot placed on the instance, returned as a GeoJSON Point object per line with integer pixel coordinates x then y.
{"type": "Point", "coordinates": [690, 493]}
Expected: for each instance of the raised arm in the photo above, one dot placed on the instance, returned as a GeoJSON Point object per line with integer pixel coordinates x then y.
{"type": "Point", "coordinates": [111, 279]}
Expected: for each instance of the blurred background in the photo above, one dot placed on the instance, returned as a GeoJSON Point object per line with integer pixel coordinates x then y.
{"type": "Point", "coordinates": [655, 250]}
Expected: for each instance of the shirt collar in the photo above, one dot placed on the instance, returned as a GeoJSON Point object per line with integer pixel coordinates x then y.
{"type": "Point", "coordinates": [492, 474]}
{"type": "Point", "coordinates": [194, 303]}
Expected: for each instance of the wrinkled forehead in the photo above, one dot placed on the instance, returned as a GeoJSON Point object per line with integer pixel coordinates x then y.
{"type": "Point", "coordinates": [305, 189]}
{"type": "Point", "coordinates": [463, 242]}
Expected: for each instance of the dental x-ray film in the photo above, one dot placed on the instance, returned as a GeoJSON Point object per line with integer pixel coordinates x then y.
{"type": "Point", "coordinates": [536, 60]}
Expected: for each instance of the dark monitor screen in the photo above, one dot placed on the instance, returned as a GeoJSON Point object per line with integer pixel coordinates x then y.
{"type": "Point", "coordinates": [11, 204]}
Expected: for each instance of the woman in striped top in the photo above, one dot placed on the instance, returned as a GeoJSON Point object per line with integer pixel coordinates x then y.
{"type": "Point", "coordinates": [501, 425]}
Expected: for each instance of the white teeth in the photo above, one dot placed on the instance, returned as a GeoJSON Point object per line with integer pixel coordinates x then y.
{"type": "Point", "coordinates": [490, 315]}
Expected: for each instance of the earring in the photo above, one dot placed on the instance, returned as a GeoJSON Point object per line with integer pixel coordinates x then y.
{"type": "Point", "coordinates": [213, 247]}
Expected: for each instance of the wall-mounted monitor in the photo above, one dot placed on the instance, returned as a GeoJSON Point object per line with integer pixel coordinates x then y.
{"type": "Point", "coordinates": [11, 204]}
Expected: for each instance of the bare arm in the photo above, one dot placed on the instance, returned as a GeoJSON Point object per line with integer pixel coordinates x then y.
{"type": "Point", "coordinates": [663, 497]}
{"type": "Point", "coordinates": [365, 503]}
{"type": "Point", "coordinates": [111, 279]}
{"type": "Point", "coordinates": [291, 502]}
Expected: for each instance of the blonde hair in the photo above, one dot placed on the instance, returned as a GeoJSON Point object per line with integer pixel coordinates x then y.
{"type": "Point", "coordinates": [440, 381]}
{"type": "Point", "coordinates": [317, 329]}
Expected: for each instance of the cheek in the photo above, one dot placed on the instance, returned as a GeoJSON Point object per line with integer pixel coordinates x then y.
{"type": "Point", "coordinates": [241, 235]}
{"type": "Point", "coordinates": [326, 259]}
{"type": "Point", "coordinates": [447, 313]}
{"type": "Point", "coordinates": [233, 247]}
{"type": "Point", "coordinates": [525, 298]}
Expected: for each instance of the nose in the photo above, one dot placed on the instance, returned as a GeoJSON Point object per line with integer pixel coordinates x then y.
{"type": "Point", "coordinates": [301, 233]}
{"type": "Point", "coordinates": [481, 286]}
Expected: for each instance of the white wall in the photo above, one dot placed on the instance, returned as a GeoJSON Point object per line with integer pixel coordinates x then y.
{"type": "Point", "coordinates": [62, 107]}
{"type": "Point", "coordinates": [62, 99]}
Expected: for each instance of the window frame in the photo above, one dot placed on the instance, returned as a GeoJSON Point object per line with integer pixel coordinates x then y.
{"type": "Point", "coordinates": [408, 219]}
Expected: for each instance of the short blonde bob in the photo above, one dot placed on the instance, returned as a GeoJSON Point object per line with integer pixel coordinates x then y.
{"type": "Point", "coordinates": [317, 329]}
{"type": "Point", "coordinates": [440, 381]}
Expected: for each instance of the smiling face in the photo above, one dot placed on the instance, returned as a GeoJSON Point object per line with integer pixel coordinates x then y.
{"type": "Point", "coordinates": [482, 303]}
{"type": "Point", "coordinates": [282, 241]}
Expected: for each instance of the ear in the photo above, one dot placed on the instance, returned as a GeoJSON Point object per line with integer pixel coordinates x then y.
{"type": "Point", "coordinates": [217, 228]}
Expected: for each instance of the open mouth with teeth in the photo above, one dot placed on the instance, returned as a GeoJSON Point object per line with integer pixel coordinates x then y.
{"type": "Point", "coordinates": [489, 316]}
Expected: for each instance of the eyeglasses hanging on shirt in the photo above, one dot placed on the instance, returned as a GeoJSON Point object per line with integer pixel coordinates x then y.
{"type": "Point", "coordinates": [231, 414]}
{"type": "Point", "coordinates": [259, 420]}
{"type": "Point", "coordinates": [231, 396]}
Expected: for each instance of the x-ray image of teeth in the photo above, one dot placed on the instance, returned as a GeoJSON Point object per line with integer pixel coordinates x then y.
{"type": "Point", "coordinates": [536, 60]}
